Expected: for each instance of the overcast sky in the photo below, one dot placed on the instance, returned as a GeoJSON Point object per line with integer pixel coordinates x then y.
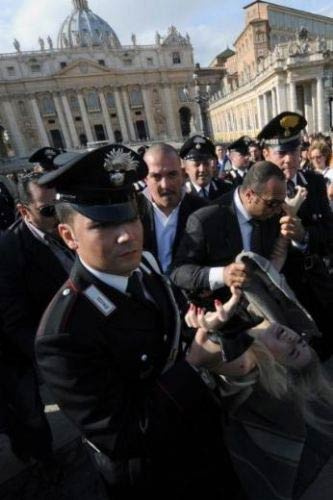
{"type": "Point", "coordinates": [212, 25]}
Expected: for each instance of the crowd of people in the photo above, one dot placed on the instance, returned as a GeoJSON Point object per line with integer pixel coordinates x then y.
{"type": "Point", "coordinates": [178, 304]}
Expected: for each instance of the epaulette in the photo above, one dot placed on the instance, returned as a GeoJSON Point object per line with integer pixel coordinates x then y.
{"type": "Point", "coordinates": [58, 311]}
{"type": "Point", "coordinates": [99, 300]}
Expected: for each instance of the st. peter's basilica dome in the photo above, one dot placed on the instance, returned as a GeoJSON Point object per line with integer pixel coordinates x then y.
{"type": "Point", "coordinates": [83, 28]}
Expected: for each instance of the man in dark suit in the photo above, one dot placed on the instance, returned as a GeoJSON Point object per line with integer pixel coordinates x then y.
{"type": "Point", "coordinates": [240, 160]}
{"type": "Point", "coordinates": [164, 205]}
{"type": "Point", "coordinates": [197, 154]}
{"type": "Point", "coordinates": [280, 140]}
{"type": "Point", "coordinates": [110, 345]}
{"type": "Point", "coordinates": [32, 269]}
{"type": "Point", "coordinates": [245, 219]}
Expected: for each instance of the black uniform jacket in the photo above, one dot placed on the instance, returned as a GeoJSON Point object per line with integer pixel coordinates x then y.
{"type": "Point", "coordinates": [234, 178]}
{"type": "Point", "coordinates": [212, 239]}
{"type": "Point", "coordinates": [315, 213]}
{"type": "Point", "coordinates": [305, 271]}
{"type": "Point", "coordinates": [104, 356]}
{"type": "Point", "coordinates": [189, 204]}
{"type": "Point", "coordinates": [217, 188]}
{"type": "Point", "coordinates": [30, 275]}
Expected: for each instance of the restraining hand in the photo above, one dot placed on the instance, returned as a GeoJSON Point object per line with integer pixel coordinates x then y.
{"type": "Point", "coordinates": [235, 275]}
{"type": "Point", "coordinates": [198, 318]}
{"type": "Point", "coordinates": [291, 227]}
{"type": "Point", "coordinates": [204, 353]}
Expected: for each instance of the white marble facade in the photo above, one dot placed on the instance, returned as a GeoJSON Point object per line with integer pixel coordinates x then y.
{"type": "Point", "coordinates": [91, 88]}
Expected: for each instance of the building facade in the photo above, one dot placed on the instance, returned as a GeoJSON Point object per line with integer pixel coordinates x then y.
{"type": "Point", "coordinates": [91, 88]}
{"type": "Point", "coordinates": [283, 60]}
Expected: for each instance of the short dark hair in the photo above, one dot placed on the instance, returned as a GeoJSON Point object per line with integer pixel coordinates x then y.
{"type": "Point", "coordinates": [23, 186]}
{"type": "Point", "coordinates": [65, 212]}
{"type": "Point", "coordinates": [260, 173]}
{"type": "Point", "coordinates": [162, 147]}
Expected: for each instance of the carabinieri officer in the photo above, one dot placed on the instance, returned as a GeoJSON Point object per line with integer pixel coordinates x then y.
{"type": "Point", "coordinates": [110, 345]}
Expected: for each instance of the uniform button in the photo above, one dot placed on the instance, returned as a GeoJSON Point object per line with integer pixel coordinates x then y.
{"type": "Point", "coordinates": [165, 337]}
{"type": "Point", "coordinates": [144, 357]}
{"type": "Point", "coordinates": [67, 291]}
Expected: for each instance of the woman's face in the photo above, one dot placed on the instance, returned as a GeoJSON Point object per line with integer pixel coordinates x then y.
{"type": "Point", "coordinates": [318, 159]}
{"type": "Point", "coordinates": [287, 347]}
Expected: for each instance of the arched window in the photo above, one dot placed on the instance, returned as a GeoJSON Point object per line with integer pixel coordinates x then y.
{"type": "Point", "coordinates": [136, 97]}
{"type": "Point", "coordinates": [83, 139]}
{"type": "Point", "coordinates": [182, 95]}
{"type": "Point", "coordinates": [74, 103]}
{"type": "Point", "coordinates": [185, 119]}
{"type": "Point", "coordinates": [92, 101]}
{"type": "Point", "coordinates": [117, 136]}
{"type": "Point", "coordinates": [176, 58]}
{"type": "Point", "coordinates": [47, 105]}
{"type": "Point", "coordinates": [110, 100]}
{"type": "Point", "coordinates": [22, 108]}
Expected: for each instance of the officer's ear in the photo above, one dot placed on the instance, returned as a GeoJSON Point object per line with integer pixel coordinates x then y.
{"type": "Point", "coordinates": [265, 153]}
{"type": "Point", "coordinates": [67, 234]}
{"type": "Point", "coordinates": [23, 210]}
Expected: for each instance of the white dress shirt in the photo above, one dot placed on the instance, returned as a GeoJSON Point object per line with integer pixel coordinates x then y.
{"type": "Point", "coordinates": [216, 273]}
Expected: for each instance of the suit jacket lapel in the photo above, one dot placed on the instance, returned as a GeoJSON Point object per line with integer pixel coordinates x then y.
{"type": "Point", "coordinates": [234, 235]}
{"type": "Point", "coordinates": [41, 255]}
{"type": "Point", "coordinates": [181, 222]}
{"type": "Point", "coordinates": [157, 290]}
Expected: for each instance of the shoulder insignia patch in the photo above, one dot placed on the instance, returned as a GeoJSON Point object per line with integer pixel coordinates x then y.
{"type": "Point", "coordinates": [99, 300]}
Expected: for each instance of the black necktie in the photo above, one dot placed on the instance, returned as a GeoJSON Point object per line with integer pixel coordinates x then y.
{"type": "Point", "coordinates": [203, 193]}
{"type": "Point", "coordinates": [256, 237]}
{"type": "Point", "coordinates": [291, 190]}
{"type": "Point", "coordinates": [134, 287]}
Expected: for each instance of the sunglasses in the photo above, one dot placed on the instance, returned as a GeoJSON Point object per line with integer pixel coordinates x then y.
{"type": "Point", "coordinates": [270, 203]}
{"type": "Point", "coordinates": [47, 210]}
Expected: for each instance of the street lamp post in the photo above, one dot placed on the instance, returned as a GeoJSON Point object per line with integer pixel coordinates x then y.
{"type": "Point", "coordinates": [201, 98]}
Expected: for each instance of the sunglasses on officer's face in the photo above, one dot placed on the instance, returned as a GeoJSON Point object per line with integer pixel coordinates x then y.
{"type": "Point", "coordinates": [271, 203]}
{"type": "Point", "coordinates": [47, 210]}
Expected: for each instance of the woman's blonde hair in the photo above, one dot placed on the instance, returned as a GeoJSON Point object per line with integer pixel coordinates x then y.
{"type": "Point", "coordinates": [308, 387]}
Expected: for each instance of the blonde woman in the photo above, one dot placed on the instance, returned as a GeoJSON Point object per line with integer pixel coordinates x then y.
{"type": "Point", "coordinates": [279, 430]}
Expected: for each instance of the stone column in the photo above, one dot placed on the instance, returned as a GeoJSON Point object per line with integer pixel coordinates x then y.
{"type": "Point", "coordinates": [106, 116]}
{"type": "Point", "coordinates": [252, 106]}
{"type": "Point", "coordinates": [278, 95]}
{"type": "Point", "coordinates": [14, 131]}
{"type": "Point", "coordinates": [62, 121]}
{"type": "Point", "coordinates": [120, 114]}
{"type": "Point", "coordinates": [128, 115]}
{"type": "Point", "coordinates": [149, 114]}
{"type": "Point", "coordinates": [274, 103]}
{"type": "Point", "coordinates": [70, 121]}
{"type": "Point", "coordinates": [266, 113]}
{"type": "Point", "coordinates": [259, 107]}
{"type": "Point", "coordinates": [85, 118]}
{"type": "Point", "coordinates": [40, 125]}
{"type": "Point", "coordinates": [292, 96]}
{"type": "Point", "coordinates": [171, 122]}
{"type": "Point", "coordinates": [308, 111]}
{"type": "Point", "coordinates": [320, 105]}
